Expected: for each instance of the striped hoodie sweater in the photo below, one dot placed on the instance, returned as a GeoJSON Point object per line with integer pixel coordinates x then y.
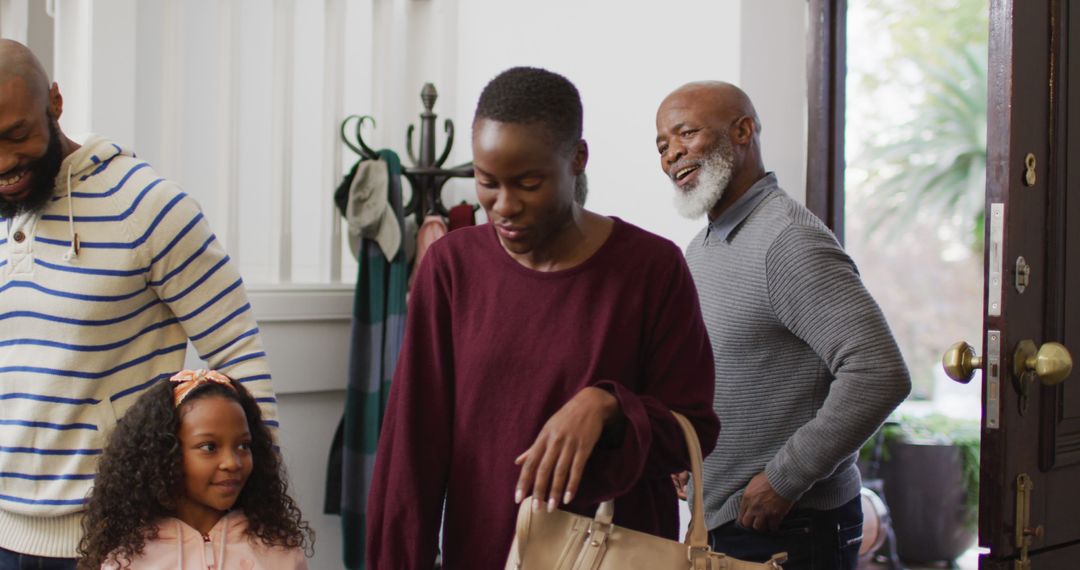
{"type": "Point", "coordinates": [81, 336]}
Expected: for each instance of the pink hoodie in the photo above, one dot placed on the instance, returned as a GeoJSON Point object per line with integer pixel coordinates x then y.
{"type": "Point", "coordinates": [182, 547]}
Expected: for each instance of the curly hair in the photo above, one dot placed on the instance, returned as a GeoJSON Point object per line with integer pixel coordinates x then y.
{"type": "Point", "coordinates": [528, 95]}
{"type": "Point", "coordinates": [141, 476]}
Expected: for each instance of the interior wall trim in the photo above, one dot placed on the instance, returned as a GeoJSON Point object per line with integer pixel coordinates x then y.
{"type": "Point", "coordinates": [298, 303]}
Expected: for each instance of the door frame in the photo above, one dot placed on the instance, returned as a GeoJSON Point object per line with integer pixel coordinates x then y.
{"type": "Point", "coordinates": [826, 64]}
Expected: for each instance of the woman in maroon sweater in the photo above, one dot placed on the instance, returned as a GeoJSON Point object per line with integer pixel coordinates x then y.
{"type": "Point", "coordinates": [543, 352]}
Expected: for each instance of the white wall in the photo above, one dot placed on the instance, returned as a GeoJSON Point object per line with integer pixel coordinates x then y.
{"type": "Point", "coordinates": [773, 73]}
{"type": "Point", "coordinates": [14, 19]}
{"type": "Point", "coordinates": [240, 102]}
{"type": "Point", "coordinates": [623, 62]}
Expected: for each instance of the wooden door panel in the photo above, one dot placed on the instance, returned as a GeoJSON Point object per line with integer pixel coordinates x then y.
{"type": "Point", "coordinates": [1034, 110]}
{"type": "Point", "coordinates": [1063, 430]}
{"type": "Point", "coordinates": [1017, 124]}
{"type": "Point", "coordinates": [1060, 409]}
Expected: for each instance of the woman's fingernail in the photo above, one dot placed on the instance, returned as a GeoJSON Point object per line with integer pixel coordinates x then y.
{"type": "Point", "coordinates": [567, 497]}
{"type": "Point", "coordinates": [518, 496]}
{"type": "Point", "coordinates": [551, 504]}
{"type": "Point", "coordinates": [535, 505]}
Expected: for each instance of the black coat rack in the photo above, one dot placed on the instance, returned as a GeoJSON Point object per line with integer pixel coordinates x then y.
{"type": "Point", "coordinates": [426, 176]}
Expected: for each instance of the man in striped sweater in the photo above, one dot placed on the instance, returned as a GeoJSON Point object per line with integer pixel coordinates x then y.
{"type": "Point", "coordinates": [806, 367]}
{"type": "Point", "coordinates": [106, 271]}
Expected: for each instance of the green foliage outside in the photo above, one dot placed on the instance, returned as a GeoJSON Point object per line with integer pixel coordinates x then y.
{"type": "Point", "coordinates": [935, 163]}
{"type": "Point", "coordinates": [937, 429]}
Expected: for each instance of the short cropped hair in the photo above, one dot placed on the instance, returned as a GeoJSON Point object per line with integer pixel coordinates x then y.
{"type": "Point", "coordinates": [530, 95]}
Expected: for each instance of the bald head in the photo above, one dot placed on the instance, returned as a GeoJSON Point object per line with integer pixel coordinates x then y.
{"type": "Point", "coordinates": [32, 146]}
{"type": "Point", "coordinates": [722, 97]}
{"type": "Point", "coordinates": [18, 62]}
{"type": "Point", "coordinates": [707, 134]}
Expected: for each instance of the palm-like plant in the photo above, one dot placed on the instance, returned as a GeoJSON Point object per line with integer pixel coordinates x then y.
{"type": "Point", "coordinates": [935, 165]}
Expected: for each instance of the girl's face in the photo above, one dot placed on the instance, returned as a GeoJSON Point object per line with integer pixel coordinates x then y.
{"type": "Point", "coordinates": [216, 447]}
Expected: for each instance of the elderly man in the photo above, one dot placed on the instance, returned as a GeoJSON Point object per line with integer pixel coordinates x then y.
{"type": "Point", "coordinates": [106, 271]}
{"type": "Point", "coordinates": [806, 367]}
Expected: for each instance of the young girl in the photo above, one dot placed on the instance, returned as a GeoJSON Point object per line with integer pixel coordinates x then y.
{"type": "Point", "coordinates": [191, 480]}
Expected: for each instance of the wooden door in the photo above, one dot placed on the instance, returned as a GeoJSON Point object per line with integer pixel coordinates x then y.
{"type": "Point", "coordinates": [1034, 108]}
{"type": "Point", "coordinates": [1032, 286]}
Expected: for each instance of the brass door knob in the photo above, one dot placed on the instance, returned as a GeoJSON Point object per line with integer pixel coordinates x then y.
{"type": "Point", "coordinates": [960, 362]}
{"type": "Point", "coordinates": [1052, 362]}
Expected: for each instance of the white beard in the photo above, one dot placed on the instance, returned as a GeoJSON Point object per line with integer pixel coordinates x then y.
{"type": "Point", "coordinates": [713, 178]}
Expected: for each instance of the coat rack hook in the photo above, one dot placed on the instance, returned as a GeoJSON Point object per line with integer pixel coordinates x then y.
{"type": "Point", "coordinates": [448, 126]}
{"type": "Point", "coordinates": [363, 149]}
{"type": "Point", "coordinates": [409, 145]}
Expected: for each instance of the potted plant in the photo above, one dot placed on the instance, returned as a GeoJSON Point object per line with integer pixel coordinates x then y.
{"type": "Point", "coordinates": [929, 467]}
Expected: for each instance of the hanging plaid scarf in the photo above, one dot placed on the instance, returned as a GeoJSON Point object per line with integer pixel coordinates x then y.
{"type": "Point", "coordinates": [378, 328]}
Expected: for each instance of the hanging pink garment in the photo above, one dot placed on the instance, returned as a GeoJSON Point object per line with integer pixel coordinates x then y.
{"type": "Point", "coordinates": [433, 228]}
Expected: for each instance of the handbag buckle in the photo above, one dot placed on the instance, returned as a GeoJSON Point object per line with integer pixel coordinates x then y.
{"type": "Point", "coordinates": [777, 560]}
{"type": "Point", "coordinates": [605, 529]}
{"type": "Point", "coordinates": [695, 552]}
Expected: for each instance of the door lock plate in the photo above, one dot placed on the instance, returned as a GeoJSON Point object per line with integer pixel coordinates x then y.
{"type": "Point", "coordinates": [997, 259]}
{"type": "Point", "coordinates": [1023, 274]}
{"type": "Point", "coordinates": [992, 374]}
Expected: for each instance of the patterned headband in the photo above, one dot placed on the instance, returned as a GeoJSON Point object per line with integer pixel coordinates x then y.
{"type": "Point", "coordinates": [188, 380]}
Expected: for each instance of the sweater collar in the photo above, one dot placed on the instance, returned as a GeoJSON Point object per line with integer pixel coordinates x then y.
{"type": "Point", "coordinates": [722, 227]}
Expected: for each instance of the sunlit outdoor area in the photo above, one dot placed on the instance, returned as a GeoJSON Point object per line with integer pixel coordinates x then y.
{"type": "Point", "coordinates": [915, 186]}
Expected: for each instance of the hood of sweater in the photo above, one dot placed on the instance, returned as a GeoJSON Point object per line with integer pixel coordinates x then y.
{"type": "Point", "coordinates": [231, 527]}
{"type": "Point", "coordinates": [75, 175]}
{"type": "Point", "coordinates": [228, 530]}
{"type": "Point", "coordinates": [95, 152]}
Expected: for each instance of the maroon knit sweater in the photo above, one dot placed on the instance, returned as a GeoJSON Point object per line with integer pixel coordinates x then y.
{"type": "Point", "coordinates": [492, 349]}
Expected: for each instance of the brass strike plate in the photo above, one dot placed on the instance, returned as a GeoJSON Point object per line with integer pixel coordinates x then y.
{"type": "Point", "coordinates": [1023, 274]}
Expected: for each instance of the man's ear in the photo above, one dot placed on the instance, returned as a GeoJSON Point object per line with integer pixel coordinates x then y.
{"type": "Point", "coordinates": [56, 102]}
{"type": "Point", "coordinates": [581, 157]}
{"type": "Point", "coordinates": [742, 132]}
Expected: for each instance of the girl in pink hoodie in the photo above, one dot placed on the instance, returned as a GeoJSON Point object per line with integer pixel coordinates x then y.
{"type": "Point", "coordinates": [191, 480]}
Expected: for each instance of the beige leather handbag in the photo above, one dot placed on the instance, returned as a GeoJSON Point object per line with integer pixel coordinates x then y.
{"type": "Point", "coordinates": [564, 541]}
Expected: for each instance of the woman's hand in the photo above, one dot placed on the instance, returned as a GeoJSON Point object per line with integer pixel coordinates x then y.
{"type": "Point", "coordinates": [553, 464]}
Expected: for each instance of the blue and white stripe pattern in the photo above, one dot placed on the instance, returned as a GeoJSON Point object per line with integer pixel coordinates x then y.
{"type": "Point", "coordinates": [82, 337]}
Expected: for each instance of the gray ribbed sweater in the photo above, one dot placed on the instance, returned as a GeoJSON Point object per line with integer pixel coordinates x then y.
{"type": "Point", "coordinates": [806, 367]}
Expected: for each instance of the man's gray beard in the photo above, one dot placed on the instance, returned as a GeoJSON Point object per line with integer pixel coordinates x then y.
{"type": "Point", "coordinates": [712, 179]}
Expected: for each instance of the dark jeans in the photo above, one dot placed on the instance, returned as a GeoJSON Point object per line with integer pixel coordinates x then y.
{"type": "Point", "coordinates": [14, 561]}
{"type": "Point", "coordinates": [814, 540]}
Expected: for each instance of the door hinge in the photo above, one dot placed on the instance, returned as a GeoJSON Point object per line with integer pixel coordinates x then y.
{"type": "Point", "coordinates": [1025, 534]}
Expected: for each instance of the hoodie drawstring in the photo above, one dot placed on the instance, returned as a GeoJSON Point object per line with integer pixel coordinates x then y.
{"type": "Point", "coordinates": [179, 545]}
{"type": "Point", "coordinates": [220, 562]}
{"type": "Point", "coordinates": [73, 251]}
{"type": "Point", "coordinates": [217, 562]}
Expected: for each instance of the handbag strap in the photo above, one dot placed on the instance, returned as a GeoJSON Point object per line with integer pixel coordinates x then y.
{"type": "Point", "coordinates": [696, 535]}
